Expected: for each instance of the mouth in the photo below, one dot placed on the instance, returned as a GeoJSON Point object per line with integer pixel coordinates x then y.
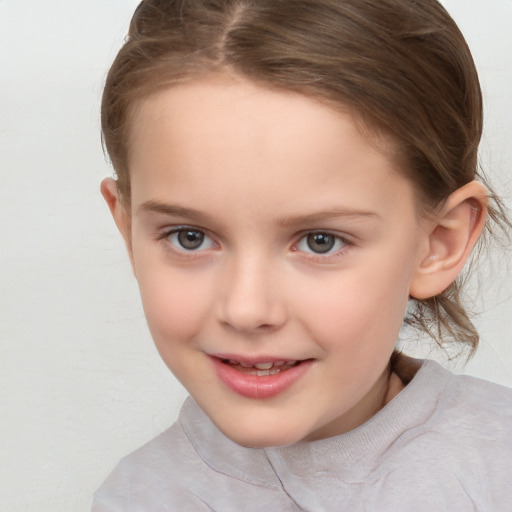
{"type": "Point", "coordinates": [261, 369]}
{"type": "Point", "coordinates": [263, 378]}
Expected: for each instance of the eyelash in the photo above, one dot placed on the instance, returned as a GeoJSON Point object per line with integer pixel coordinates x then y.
{"type": "Point", "coordinates": [177, 248]}
{"type": "Point", "coordinates": [181, 251]}
{"type": "Point", "coordinates": [329, 254]}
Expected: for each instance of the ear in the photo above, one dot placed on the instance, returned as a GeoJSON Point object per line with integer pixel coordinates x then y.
{"type": "Point", "coordinates": [451, 239]}
{"type": "Point", "coordinates": [121, 216]}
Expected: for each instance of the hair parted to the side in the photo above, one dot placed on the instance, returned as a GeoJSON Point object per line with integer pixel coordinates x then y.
{"type": "Point", "coordinates": [401, 66]}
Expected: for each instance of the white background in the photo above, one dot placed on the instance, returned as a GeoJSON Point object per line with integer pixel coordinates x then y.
{"type": "Point", "coordinates": [80, 382]}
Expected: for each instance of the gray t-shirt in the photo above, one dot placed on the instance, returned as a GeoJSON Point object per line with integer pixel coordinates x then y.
{"type": "Point", "coordinates": [443, 444]}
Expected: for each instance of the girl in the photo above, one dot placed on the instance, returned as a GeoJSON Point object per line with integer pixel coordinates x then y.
{"type": "Point", "coordinates": [294, 177]}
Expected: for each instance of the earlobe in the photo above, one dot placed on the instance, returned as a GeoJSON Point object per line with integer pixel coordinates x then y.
{"type": "Point", "coordinates": [122, 218]}
{"type": "Point", "coordinates": [450, 241]}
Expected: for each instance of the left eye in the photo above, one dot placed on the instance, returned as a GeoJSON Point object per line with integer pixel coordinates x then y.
{"type": "Point", "coordinates": [189, 239]}
{"type": "Point", "coordinates": [320, 243]}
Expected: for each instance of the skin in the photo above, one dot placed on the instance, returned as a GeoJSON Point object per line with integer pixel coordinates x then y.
{"type": "Point", "coordinates": [257, 170]}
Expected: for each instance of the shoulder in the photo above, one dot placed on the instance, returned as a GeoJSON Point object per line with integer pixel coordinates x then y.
{"type": "Point", "coordinates": [476, 416]}
{"type": "Point", "coordinates": [467, 411]}
{"type": "Point", "coordinates": [485, 408]}
{"type": "Point", "coordinates": [157, 476]}
{"type": "Point", "coordinates": [463, 445]}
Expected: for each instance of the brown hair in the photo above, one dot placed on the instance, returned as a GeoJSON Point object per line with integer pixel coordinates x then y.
{"type": "Point", "coordinates": [402, 65]}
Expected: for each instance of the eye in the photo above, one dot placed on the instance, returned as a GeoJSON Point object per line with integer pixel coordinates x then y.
{"type": "Point", "coordinates": [190, 239]}
{"type": "Point", "coordinates": [320, 243]}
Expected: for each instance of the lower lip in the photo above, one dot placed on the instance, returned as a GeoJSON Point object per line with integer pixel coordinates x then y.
{"type": "Point", "coordinates": [253, 386]}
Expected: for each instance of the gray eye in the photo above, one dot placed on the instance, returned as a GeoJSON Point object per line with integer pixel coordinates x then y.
{"type": "Point", "coordinates": [320, 242]}
{"type": "Point", "coordinates": [190, 239]}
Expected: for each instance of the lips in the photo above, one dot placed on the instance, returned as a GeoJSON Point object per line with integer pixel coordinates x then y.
{"type": "Point", "coordinates": [259, 379]}
{"type": "Point", "coordinates": [261, 369]}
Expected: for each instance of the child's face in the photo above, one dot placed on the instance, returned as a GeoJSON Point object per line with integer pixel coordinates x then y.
{"type": "Point", "coordinates": [266, 228]}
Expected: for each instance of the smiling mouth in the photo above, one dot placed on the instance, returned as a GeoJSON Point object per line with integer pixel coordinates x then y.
{"type": "Point", "coordinates": [261, 369]}
{"type": "Point", "coordinates": [261, 378]}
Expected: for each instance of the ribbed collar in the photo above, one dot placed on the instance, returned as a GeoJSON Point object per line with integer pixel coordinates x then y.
{"type": "Point", "coordinates": [351, 456]}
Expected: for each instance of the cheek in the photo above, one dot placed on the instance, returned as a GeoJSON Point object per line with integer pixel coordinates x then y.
{"type": "Point", "coordinates": [175, 303]}
{"type": "Point", "coordinates": [361, 308]}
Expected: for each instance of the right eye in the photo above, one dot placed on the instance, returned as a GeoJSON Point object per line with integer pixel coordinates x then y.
{"type": "Point", "coordinates": [189, 240]}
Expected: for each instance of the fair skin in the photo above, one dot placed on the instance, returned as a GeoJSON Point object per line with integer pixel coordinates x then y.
{"type": "Point", "coordinates": [264, 227]}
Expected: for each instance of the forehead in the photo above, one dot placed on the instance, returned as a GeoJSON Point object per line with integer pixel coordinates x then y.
{"type": "Point", "coordinates": [229, 136]}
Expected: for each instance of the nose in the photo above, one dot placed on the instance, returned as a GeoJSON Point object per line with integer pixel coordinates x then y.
{"type": "Point", "coordinates": [252, 300]}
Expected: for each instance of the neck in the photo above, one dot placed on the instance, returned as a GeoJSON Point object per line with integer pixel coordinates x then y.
{"type": "Point", "coordinates": [387, 386]}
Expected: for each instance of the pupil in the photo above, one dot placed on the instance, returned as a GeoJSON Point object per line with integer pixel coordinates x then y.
{"type": "Point", "coordinates": [190, 239]}
{"type": "Point", "coordinates": [320, 242]}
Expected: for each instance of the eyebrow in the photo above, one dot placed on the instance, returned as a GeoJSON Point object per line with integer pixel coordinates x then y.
{"type": "Point", "coordinates": [326, 214]}
{"type": "Point", "coordinates": [291, 221]}
{"type": "Point", "coordinates": [173, 210]}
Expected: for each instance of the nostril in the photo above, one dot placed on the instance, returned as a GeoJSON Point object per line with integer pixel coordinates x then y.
{"type": "Point", "coordinates": [255, 327]}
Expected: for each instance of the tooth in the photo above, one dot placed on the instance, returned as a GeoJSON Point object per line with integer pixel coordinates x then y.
{"type": "Point", "coordinates": [232, 361]}
{"type": "Point", "coordinates": [263, 366]}
{"type": "Point", "coordinates": [263, 373]}
{"type": "Point", "coordinates": [279, 363]}
{"type": "Point", "coordinates": [246, 365]}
